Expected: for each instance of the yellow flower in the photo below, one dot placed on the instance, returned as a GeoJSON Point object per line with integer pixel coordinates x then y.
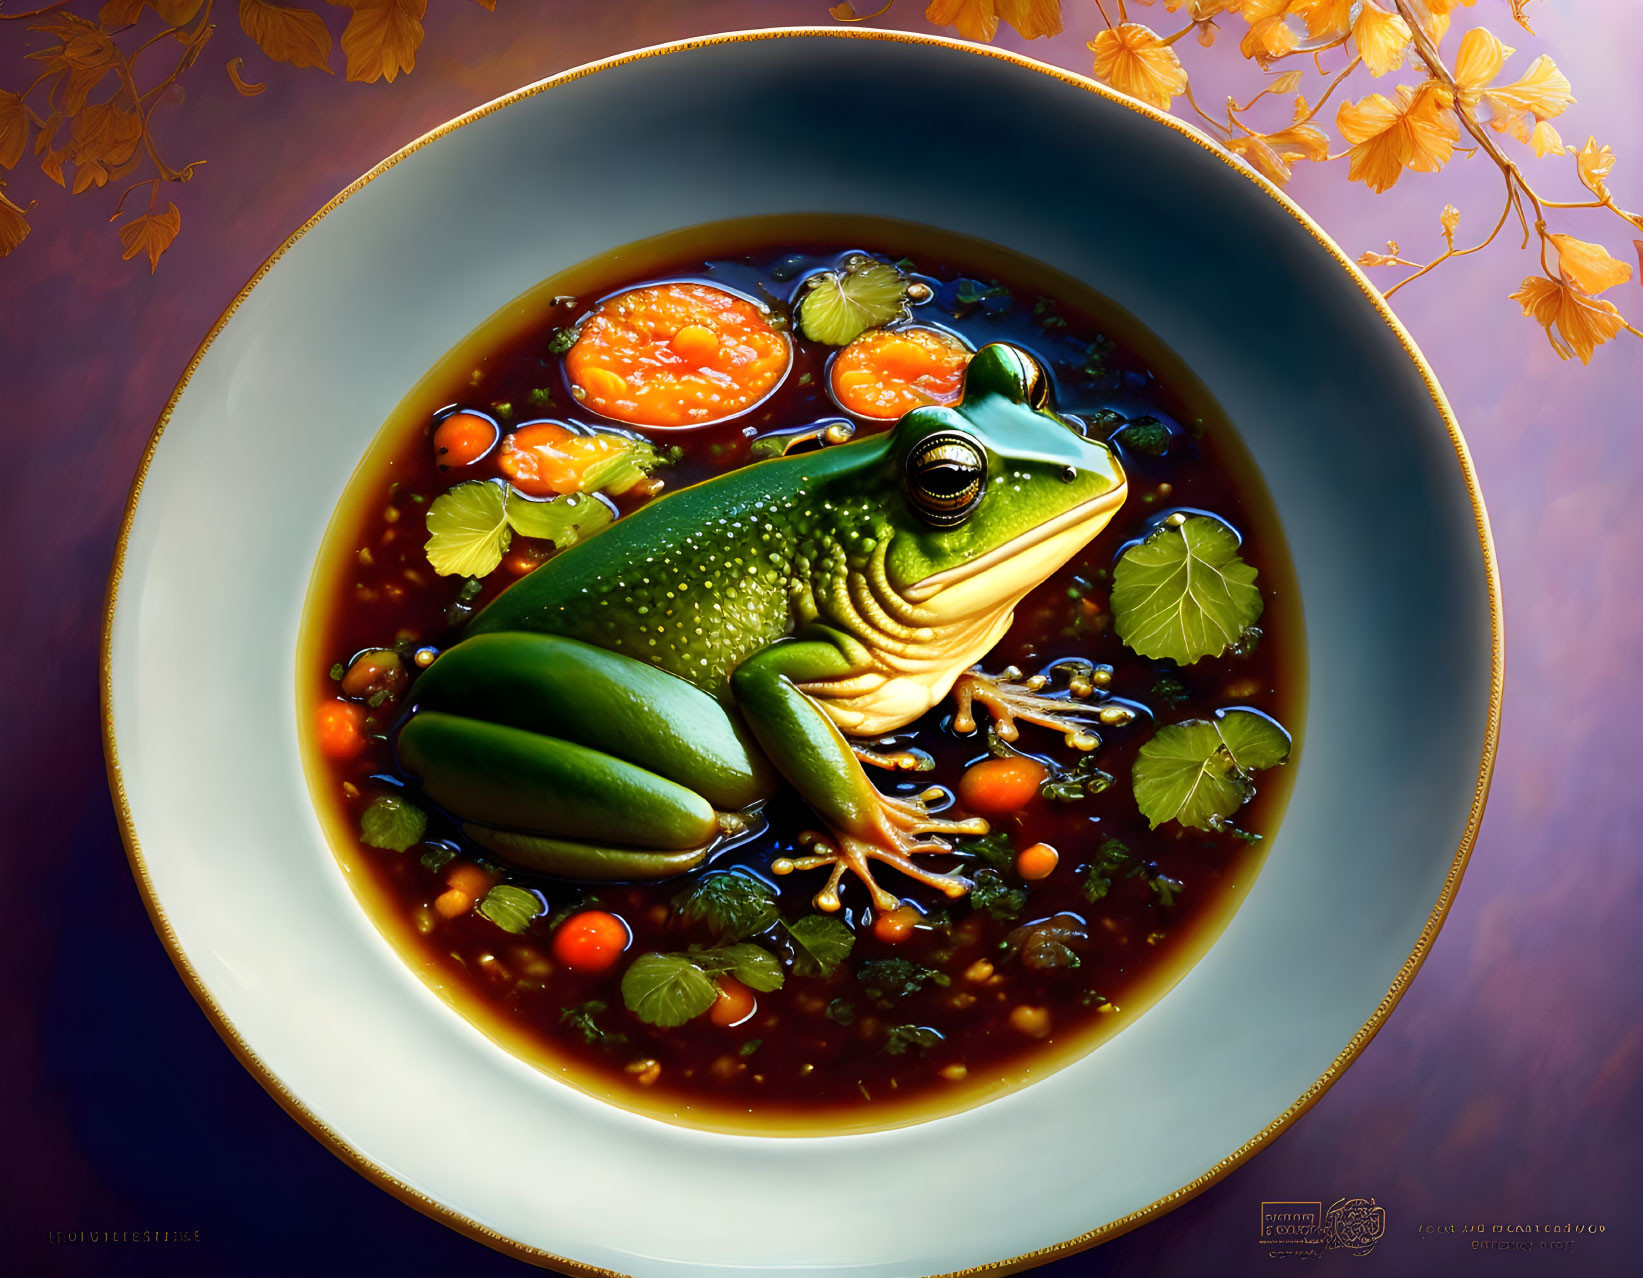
{"type": "Point", "coordinates": [1135, 61]}
{"type": "Point", "coordinates": [1576, 324]}
{"type": "Point", "coordinates": [1270, 154]}
{"type": "Point", "coordinates": [978, 19]}
{"type": "Point", "coordinates": [1449, 219]}
{"type": "Point", "coordinates": [1542, 92]}
{"type": "Point", "coordinates": [1589, 267]}
{"type": "Point", "coordinates": [1418, 131]}
{"type": "Point", "coordinates": [1382, 38]}
{"type": "Point", "coordinates": [1478, 61]}
{"type": "Point", "coordinates": [1324, 19]}
{"type": "Point", "coordinates": [1594, 163]}
{"type": "Point", "coordinates": [1269, 36]}
{"type": "Point", "coordinates": [1547, 141]}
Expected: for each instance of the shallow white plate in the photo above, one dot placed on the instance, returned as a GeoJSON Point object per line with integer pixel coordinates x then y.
{"type": "Point", "coordinates": [1364, 461]}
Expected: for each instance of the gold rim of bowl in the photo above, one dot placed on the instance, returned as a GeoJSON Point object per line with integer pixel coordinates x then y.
{"type": "Point", "coordinates": [1434, 921]}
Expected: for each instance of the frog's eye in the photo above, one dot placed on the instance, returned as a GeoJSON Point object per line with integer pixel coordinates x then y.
{"type": "Point", "coordinates": [945, 473]}
{"type": "Point", "coordinates": [1035, 383]}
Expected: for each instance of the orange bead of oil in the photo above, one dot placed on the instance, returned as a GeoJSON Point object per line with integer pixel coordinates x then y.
{"type": "Point", "coordinates": [894, 926]}
{"type": "Point", "coordinates": [591, 941]}
{"type": "Point", "coordinates": [998, 787]}
{"type": "Point", "coordinates": [733, 1004]}
{"type": "Point", "coordinates": [462, 439]}
{"type": "Point", "coordinates": [1037, 862]}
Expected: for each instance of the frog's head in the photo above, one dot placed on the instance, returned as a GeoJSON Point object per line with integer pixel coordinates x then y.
{"type": "Point", "coordinates": [997, 491]}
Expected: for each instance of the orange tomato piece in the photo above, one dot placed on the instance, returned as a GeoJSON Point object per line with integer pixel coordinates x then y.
{"type": "Point", "coordinates": [998, 787]}
{"type": "Point", "coordinates": [1037, 862]}
{"type": "Point", "coordinates": [894, 926]}
{"type": "Point", "coordinates": [676, 355]}
{"type": "Point", "coordinates": [886, 372]}
{"type": "Point", "coordinates": [734, 1004]}
{"type": "Point", "coordinates": [462, 439]}
{"type": "Point", "coordinates": [590, 941]}
{"type": "Point", "coordinates": [340, 728]}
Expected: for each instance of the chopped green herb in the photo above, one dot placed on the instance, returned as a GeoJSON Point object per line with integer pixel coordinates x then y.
{"type": "Point", "coordinates": [992, 894]}
{"type": "Point", "coordinates": [392, 823]}
{"type": "Point", "coordinates": [1197, 772]}
{"type": "Point", "coordinates": [1145, 435]}
{"type": "Point", "coordinates": [1069, 785]}
{"type": "Point", "coordinates": [437, 857]}
{"type": "Point", "coordinates": [563, 520]}
{"type": "Point", "coordinates": [806, 378]}
{"type": "Point", "coordinates": [561, 340]}
{"type": "Point", "coordinates": [1249, 639]}
{"type": "Point", "coordinates": [583, 1019]}
{"type": "Point", "coordinates": [839, 306]}
{"type": "Point", "coordinates": [971, 293]}
{"type": "Point", "coordinates": [897, 977]}
{"type": "Point", "coordinates": [1110, 858]}
{"type": "Point", "coordinates": [541, 396]}
{"type": "Point", "coordinates": [733, 906]}
{"type": "Point", "coordinates": [1165, 888]}
{"type": "Point", "coordinates": [1096, 355]}
{"type": "Point", "coordinates": [748, 1048]}
{"type": "Point", "coordinates": [337, 671]}
{"type": "Point", "coordinates": [1184, 593]}
{"type": "Point", "coordinates": [503, 409]}
{"type": "Point", "coordinates": [994, 848]}
{"type": "Point", "coordinates": [622, 469]}
{"type": "Point", "coordinates": [900, 1039]}
{"type": "Point", "coordinates": [511, 908]}
{"type": "Point", "coordinates": [670, 989]}
{"type": "Point", "coordinates": [841, 1012]}
{"type": "Point", "coordinates": [1170, 690]}
{"type": "Point", "coordinates": [820, 944]}
{"type": "Point", "coordinates": [1047, 314]}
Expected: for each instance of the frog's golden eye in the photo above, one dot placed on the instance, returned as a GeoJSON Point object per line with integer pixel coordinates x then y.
{"type": "Point", "coordinates": [1035, 383]}
{"type": "Point", "coordinates": [945, 474]}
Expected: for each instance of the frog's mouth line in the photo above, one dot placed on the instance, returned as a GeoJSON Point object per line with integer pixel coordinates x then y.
{"type": "Point", "coordinates": [1098, 511]}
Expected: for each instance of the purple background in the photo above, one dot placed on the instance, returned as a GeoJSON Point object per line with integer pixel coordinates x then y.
{"type": "Point", "coordinates": [1506, 1086]}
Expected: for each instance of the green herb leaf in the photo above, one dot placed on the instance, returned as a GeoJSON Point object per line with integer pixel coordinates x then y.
{"type": "Point", "coordinates": [1197, 771]}
{"type": "Point", "coordinates": [436, 858]}
{"type": "Point", "coordinates": [468, 529]}
{"type": "Point", "coordinates": [989, 892]}
{"type": "Point", "coordinates": [1145, 435]}
{"type": "Point", "coordinates": [897, 977]}
{"type": "Point", "coordinates": [900, 1039]}
{"type": "Point", "coordinates": [1069, 785]}
{"type": "Point", "coordinates": [1110, 858]}
{"type": "Point", "coordinates": [1165, 888]}
{"type": "Point", "coordinates": [667, 989]}
{"type": "Point", "coordinates": [1184, 593]}
{"type": "Point", "coordinates": [755, 967]}
{"type": "Point", "coordinates": [820, 943]}
{"type": "Point", "coordinates": [561, 340]}
{"type": "Point", "coordinates": [392, 823]}
{"type": "Point", "coordinates": [839, 306]}
{"type": "Point", "coordinates": [583, 1020]}
{"type": "Point", "coordinates": [994, 848]}
{"type": "Point", "coordinates": [841, 1011]}
{"type": "Point", "coordinates": [510, 908]}
{"type": "Point", "coordinates": [748, 1048]}
{"type": "Point", "coordinates": [622, 469]}
{"type": "Point", "coordinates": [564, 520]}
{"type": "Point", "coordinates": [733, 905]}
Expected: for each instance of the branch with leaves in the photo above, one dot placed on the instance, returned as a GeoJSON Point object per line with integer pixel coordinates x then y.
{"type": "Point", "coordinates": [1416, 128]}
{"type": "Point", "coordinates": [88, 117]}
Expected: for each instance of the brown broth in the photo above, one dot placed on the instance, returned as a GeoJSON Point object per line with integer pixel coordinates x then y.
{"type": "Point", "coordinates": [793, 1067]}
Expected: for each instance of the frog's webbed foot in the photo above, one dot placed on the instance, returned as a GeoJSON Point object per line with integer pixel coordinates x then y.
{"type": "Point", "coordinates": [903, 829]}
{"type": "Point", "coordinates": [1010, 699]}
{"type": "Point", "coordinates": [894, 760]}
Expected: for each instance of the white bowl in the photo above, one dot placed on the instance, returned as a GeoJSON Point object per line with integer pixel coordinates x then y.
{"type": "Point", "coordinates": [1361, 453]}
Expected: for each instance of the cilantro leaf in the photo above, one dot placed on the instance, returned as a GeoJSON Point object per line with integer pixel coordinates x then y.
{"type": "Point", "coordinates": [897, 977]}
{"type": "Point", "coordinates": [511, 908]}
{"type": "Point", "coordinates": [820, 943]}
{"type": "Point", "coordinates": [994, 848]}
{"type": "Point", "coordinates": [732, 905]}
{"type": "Point", "coordinates": [1184, 593]}
{"type": "Point", "coordinates": [752, 965]}
{"type": "Point", "coordinates": [839, 306]}
{"type": "Point", "coordinates": [583, 1020]}
{"type": "Point", "coordinates": [989, 892]}
{"type": "Point", "coordinates": [667, 989]}
{"type": "Point", "coordinates": [901, 1038]}
{"type": "Point", "coordinates": [1098, 875]}
{"type": "Point", "coordinates": [564, 520]}
{"type": "Point", "coordinates": [1197, 771]}
{"type": "Point", "coordinates": [392, 823]}
{"type": "Point", "coordinates": [468, 529]}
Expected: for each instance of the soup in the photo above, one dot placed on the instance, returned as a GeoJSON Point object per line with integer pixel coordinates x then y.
{"type": "Point", "coordinates": [803, 673]}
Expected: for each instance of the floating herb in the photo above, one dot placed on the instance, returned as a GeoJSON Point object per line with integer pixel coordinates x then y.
{"type": "Point", "coordinates": [511, 908]}
{"type": "Point", "coordinates": [820, 944]}
{"type": "Point", "coordinates": [733, 906]}
{"type": "Point", "coordinates": [1197, 772]}
{"type": "Point", "coordinates": [1184, 593]}
{"type": "Point", "coordinates": [891, 978]}
{"type": "Point", "coordinates": [1111, 857]}
{"type": "Point", "coordinates": [583, 1019]}
{"type": "Point", "coordinates": [670, 989]}
{"type": "Point", "coordinates": [392, 823]}
{"type": "Point", "coordinates": [839, 306]}
{"type": "Point", "coordinates": [900, 1039]}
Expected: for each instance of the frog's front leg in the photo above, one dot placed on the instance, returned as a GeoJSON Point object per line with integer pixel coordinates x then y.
{"type": "Point", "coordinates": [804, 743]}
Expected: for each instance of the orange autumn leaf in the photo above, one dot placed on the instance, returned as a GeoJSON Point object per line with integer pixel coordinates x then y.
{"type": "Point", "coordinates": [1270, 154]}
{"type": "Point", "coordinates": [242, 86]}
{"type": "Point", "coordinates": [381, 37]}
{"type": "Point", "coordinates": [51, 164]}
{"type": "Point", "coordinates": [102, 138]}
{"type": "Point", "coordinates": [1324, 19]}
{"type": "Point", "coordinates": [1269, 35]}
{"type": "Point", "coordinates": [84, 56]}
{"type": "Point", "coordinates": [287, 34]}
{"type": "Point", "coordinates": [175, 13]}
{"type": "Point", "coordinates": [1576, 323]}
{"type": "Point", "coordinates": [1594, 163]}
{"type": "Point", "coordinates": [119, 13]}
{"type": "Point", "coordinates": [974, 19]}
{"type": "Point", "coordinates": [1543, 92]}
{"type": "Point", "coordinates": [1418, 132]}
{"type": "Point", "coordinates": [14, 129]}
{"type": "Point", "coordinates": [1382, 38]}
{"type": "Point", "coordinates": [14, 225]}
{"type": "Point", "coordinates": [1589, 267]}
{"type": "Point", "coordinates": [151, 233]}
{"type": "Point", "coordinates": [1477, 62]}
{"type": "Point", "coordinates": [1546, 140]}
{"type": "Point", "coordinates": [1135, 61]}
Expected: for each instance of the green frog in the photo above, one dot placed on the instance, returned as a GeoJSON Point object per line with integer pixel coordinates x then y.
{"type": "Point", "coordinates": [615, 713]}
